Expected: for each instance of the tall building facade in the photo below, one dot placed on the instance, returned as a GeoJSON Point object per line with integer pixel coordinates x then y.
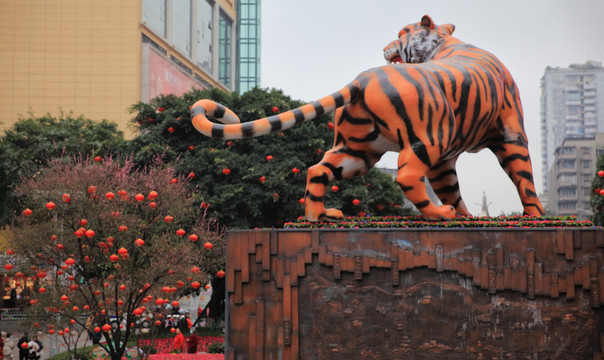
{"type": "Point", "coordinates": [98, 58]}
{"type": "Point", "coordinates": [570, 176]}
{"type": "Point", "coordinates": [572, 106]}
{"type": "Point", "coordinates": [572, 135]}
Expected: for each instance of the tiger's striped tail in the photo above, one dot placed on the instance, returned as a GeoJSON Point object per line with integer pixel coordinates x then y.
{"type": "Point", "coordinates": [231, 128]}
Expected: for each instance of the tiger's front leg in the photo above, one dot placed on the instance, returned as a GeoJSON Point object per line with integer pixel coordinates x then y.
{"type": "Point", "coordinates": [336, 164]}
{"type": "Point", "coordinates": [443, 178]}
{"type": "Point", "coordinates": [410, 178]}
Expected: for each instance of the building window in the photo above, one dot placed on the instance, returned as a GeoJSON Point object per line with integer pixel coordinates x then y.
{"type": "Point", "coordinates": [224, 49]}
{"type": "Point", "coordinates": [568, 191]}
{"type": "Point", "coordinates": [204, 38]}
{"type": "Point", "coordinates": [249, 45]}
{"type": "Point", "coordinates": [154, 16]}
{"type": "Point", "coordinates": [181, 26]}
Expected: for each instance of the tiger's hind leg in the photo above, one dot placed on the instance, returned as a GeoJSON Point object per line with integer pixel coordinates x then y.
{"type": "Point", "coordinates": [444, 182]}
{"type": "Point", "coordinates": [410, 177]}
{"type": "Point", "coordinates": [337, 163]}
{"type": "Point", "coordinates": [513, 154]}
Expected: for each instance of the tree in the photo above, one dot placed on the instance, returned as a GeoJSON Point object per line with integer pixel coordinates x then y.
{"type": "Point", "coordinates": [253, 182]}
{"type": "Point", "coordinates": [32, 142]}
{"type": "Point", "coordinates": [107, 241]}
{"type": "Point", "coordinates": [597, 193]}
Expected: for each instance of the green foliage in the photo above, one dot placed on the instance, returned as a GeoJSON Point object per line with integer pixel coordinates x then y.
{"type": "Point", "coordinates": [98, 212]}
{"type": "Point", "coordinates": [84, 353]}
{"type": "Point", "coordinates": [33, 142]}
{"type": "Point", "coordinates": [216, 348]}
{"type": "Point", "coordinates": [597, 200]}
{"type": "Point", "coordinates": [240, 199]}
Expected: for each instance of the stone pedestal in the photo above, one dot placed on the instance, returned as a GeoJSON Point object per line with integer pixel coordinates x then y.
{"type": "Point", "coordinates": [415, 294]}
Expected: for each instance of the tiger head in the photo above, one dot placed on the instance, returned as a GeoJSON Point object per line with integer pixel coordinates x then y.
{"type": "Point", "coordinates": [417, 43]}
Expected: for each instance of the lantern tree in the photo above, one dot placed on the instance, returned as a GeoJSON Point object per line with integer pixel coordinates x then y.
{"type": "Point", "coordinates": [597, 195]}
{"type": "Point", "coordinates": [257, 182]}
{"type": "Point", "coordinates": [112, 243]}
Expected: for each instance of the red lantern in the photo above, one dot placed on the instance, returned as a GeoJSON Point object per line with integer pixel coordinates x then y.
{"type": "Point", "coordinates": [157, 322]}
{"type": "Point", "coordinates": [275, 109]}
{"type": "Point", "coordinates": [97, 329]}
{"type": "Point", "coordinates": [152, 195]}
{"type": "Point", "coordinates": [180, 283]}
{"type": "Point", "coordinates": [10, 252]}
{"type": "Point", "coordinates": [114, 257]}
{"type": "Point", "coordinates": [296, 170]}
{"type": "Point", "coordinates": [226, 171]}
{"type": "Point", "coordinates": [106, 328]}
{"type": "Point", "coordinates": [193, 237]}
{"type": "Point", "coordinates": [262, 179]}
{"type": "Point", "coordinates": [41, 274]}
{"type": "Point", "coordinates": [50, 205]}
{"type": "Point", "coordinates": [220, 274]}
{"type": "Point", "coordinates": [173, 181]}
{"type": "Point", "coordinates": [138, 311]}
{"type": "Point", "coordinates": [42, 289]}
{"type": "Point", "coordinates": [335, 188]}
{"type": "Point", "coordinates": [168, 219]}
{"type": "Point", "coordinates": [27, 212]}
{"type": "Point", "coordinates": [24, 345]}
{"type": "Point", "coordinates": [122, 228]}
{"type": "Point", "coordinates": [92, 190]}
{"type": "Point", "coordinates": [601, 173]}
{"type": "Point", "coordinates": [172, 330]}
{"type": "Point", "coordinates": [207, 286]}
{"type": "Point", "coordinates": [208, 245]}
{"type": "Point", "coordinates": [330, 126]}
{"type": "Point", "coordinates": [64, 298]}
{"type": "Point", "coordinates": [301, 200]}
{"type": "Point", "coordinates": [51, 331]}
{"type": "Point", "coordinates": [78, 233]}
{"type": "Point", "coordinates": [8, 267]}
{"type": "Point", "coordinates": [69, 261]}
{"type": "Point", "coordinates": [356, 202]}
{"type": "Point", "coordinates": [175, 303]}
{"type": "Point", "coordinates": [122, 251]}
{"type": "Point", "coordinates": [171, 130]}
{"type": "Point", "coordinates": [98, 158]}
{"type": "Point", "coordinates": [180, 232]}
{"type": "Point", "coordinates": [66, 198]}
{"type": "Point", "coordinates": [89, 233]}
{"type": "Point", "coordinates": [139, 197]}
{"type": "Point", "coordinates": [195, 285]}
{"type": "Point", "coordinates": [75, 308]}
{"type": "Point", "coordinates": [122, 287]}
{"type": "Point", "coordinates": [269, 157]}
{"type": "Point", "coordinates": [139, 242]}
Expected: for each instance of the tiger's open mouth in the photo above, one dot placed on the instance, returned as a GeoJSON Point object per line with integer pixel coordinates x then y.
{"type": "Point", "coordinates": [395, 60]}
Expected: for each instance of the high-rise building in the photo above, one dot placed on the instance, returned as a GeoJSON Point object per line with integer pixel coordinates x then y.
{"type": "Point", "coordinates": [572, 106]}
{"type": "Point", "coordinates": [98, 58]}
{"type": "Point", "coordinates": [573, 168]}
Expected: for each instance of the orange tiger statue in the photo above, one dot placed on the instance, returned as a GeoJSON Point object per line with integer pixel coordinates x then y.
{"type": "Point", "coordinates": [443, 98]}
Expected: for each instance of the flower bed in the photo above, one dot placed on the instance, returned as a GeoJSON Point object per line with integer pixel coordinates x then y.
{"type": "Point", "coordinates": [164, 346]}
{"type": "Point", "coordinates": [186, 357]}
{"type": "Point", "coordinates": [458, 222]}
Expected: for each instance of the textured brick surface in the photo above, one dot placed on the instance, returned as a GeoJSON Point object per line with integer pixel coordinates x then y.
{"type": "Point", "coordinates": [421, 294]}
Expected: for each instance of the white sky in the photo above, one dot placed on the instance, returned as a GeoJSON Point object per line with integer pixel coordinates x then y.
{"type": "Point", "coordinates": [311, 48]}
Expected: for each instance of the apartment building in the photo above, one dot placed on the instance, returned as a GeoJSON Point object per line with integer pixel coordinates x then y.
{"type": "Point", "coordinates": [572, 106]}
{"type": "Point", "coordinates": [573, 168]}
{"type": "Point", "coordinates": [98, 58]}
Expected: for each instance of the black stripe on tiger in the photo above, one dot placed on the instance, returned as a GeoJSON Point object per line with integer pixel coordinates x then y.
{"type": "Point", "coordinates": [218, 131]}
{"type": "Point", "coordinates": [417, 145]}
{"type": "Point", "coordinates": [513, 157]}
{"type": "Point", "coordinates": [298, 115]}
{"type": "Point", "coordinates": [247, 129]}
{"type": "Point", "coordinates": [197, 110]}
{"type": "Point", "coordinates": [219, 112]}
{"type": "Point", "coordinates": [276, 123]}
{"type": "Point", "coordinates": [422, 204]}
{"type": "Point", "coordinates": [318, 108]}
{"type": "Point", "coordinates": [321, 179]}
{"type": "Point", "coordinates": [447, 189]}
{"type": "Point", "coordinates": [312, 197]}
{"type": "Point", "coordinates": [443, 174]}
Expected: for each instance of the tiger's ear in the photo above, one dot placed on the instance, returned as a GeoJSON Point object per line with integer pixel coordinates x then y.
{"type": "Point", "coordinates": [447, 29]}
{"type": "Point", "coordinates": [427, 22]}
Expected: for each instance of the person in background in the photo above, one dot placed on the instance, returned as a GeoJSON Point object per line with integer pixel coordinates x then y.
{"type": "Point", "coordinates": [179, 341]}
{"type": "Point", "coordinates": [9, 346]}
{"type": "Point", "coordinates": [192, 343]}
{"type": "Point", "coordinates": [35, 346]}
{"type": "Point", "coordinates": [23, 350]}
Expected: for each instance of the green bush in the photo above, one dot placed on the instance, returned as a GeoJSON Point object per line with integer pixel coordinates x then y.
{"type": "Point", "coordinates": [216, 348]}
{"type": "Point", "coordinates": [83, 353]}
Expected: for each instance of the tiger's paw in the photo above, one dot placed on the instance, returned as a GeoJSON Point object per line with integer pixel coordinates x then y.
{"type": "Point", "coordinates": [443, 212]}
{"type": "Point", "coordinates": [331, 215]}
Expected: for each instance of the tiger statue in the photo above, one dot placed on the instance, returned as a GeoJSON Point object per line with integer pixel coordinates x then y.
{"type": "Point", "coordinates": [437, 98]}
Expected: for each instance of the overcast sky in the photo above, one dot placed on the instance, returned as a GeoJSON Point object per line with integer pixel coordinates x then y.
{"type": "Point", "coordinates": [311, 48]}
